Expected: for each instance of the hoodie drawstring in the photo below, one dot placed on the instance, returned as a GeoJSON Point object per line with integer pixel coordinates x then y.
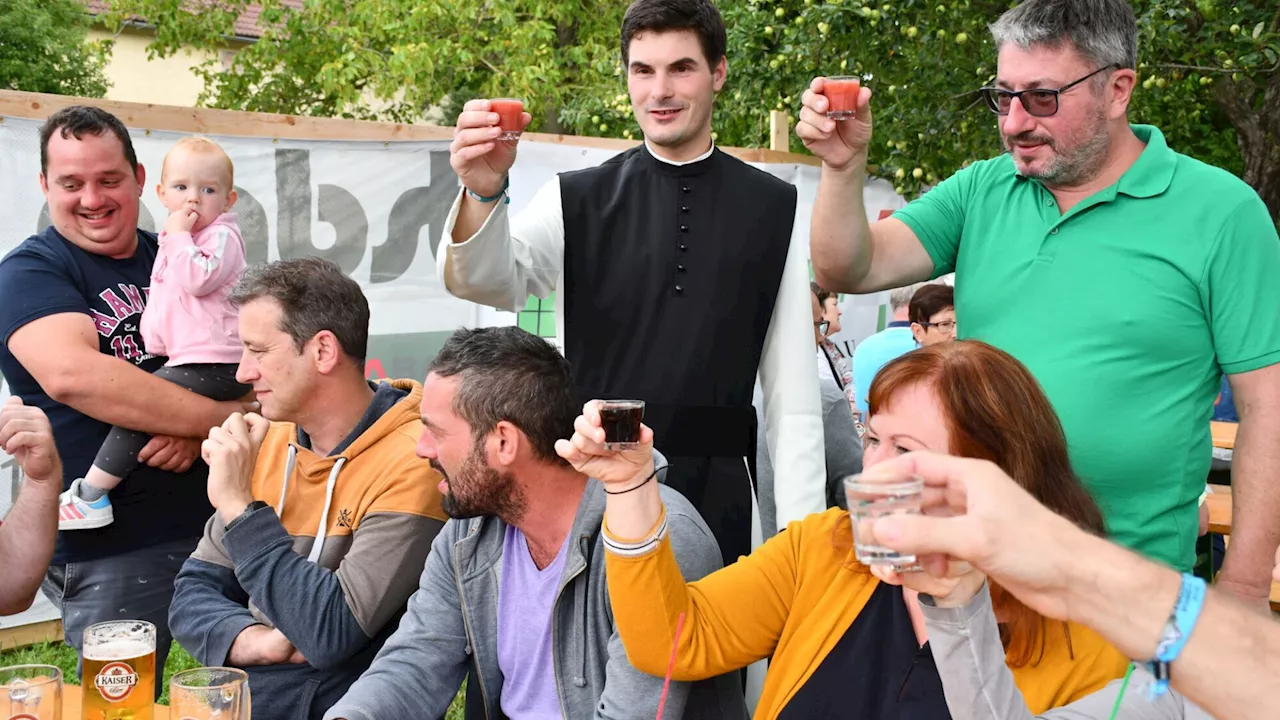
{"type": "Point", "coordinates": [323, 529]}
{"type": "Point", "coordinates": [284, 486]}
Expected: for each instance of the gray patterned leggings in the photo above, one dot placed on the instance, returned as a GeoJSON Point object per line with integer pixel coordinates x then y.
{"type": "Point", "coordinates": [119, 453]}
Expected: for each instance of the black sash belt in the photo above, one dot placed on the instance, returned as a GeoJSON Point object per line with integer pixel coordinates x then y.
{"type": "Point", "coordinates": [695, 430]}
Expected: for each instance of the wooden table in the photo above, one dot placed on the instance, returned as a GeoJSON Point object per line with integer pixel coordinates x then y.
{"type": "Point", "coordinates": [71, 699]}
{"type": "Point", "coordinates": [1224, 434]}
{"type": "Point", "coordinates": [1219, 503]}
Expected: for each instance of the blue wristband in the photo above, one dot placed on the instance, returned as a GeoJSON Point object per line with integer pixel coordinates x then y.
{"type": "Point", "coordinates": [1177, 629]}
{"type": "Point", "coordinates": [506, 183]}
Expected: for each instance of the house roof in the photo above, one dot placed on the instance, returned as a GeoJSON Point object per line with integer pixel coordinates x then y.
{"type": "Point", "coordinates": [246, 24]}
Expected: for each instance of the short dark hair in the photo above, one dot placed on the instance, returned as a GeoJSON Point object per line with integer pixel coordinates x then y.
{"type": "Point", "coordinates": [700, 16]}
{"type": "Point", "coordinates": [929, 301]}
{"type": "Point", "coordinates": [822, 293]}
{"type": "Point", "coordinates": [314, 295]}
{"type": "Point", "coordinates": [80, 120]}
{"type": "Point", "coordinates": [506, 373]}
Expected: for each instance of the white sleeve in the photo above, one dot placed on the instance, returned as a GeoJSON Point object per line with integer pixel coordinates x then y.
{"type": "Point", "coordinates": [506, 261]}
{"type": "Point", "coordinates": [792, 400]}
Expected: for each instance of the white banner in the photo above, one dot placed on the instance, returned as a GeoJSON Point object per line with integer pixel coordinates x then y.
{"type": "Point", "coordinates": [374, 208]}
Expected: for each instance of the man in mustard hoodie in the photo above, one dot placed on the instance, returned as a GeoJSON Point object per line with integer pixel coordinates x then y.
{"type": "Point", "coordinates": [324, 514]}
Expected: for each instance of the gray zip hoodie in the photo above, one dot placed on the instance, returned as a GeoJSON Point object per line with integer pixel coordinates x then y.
{"type": "Point", "coordinates": [450, 631]}
{"type": "Point", "coordinates": [979, 685]}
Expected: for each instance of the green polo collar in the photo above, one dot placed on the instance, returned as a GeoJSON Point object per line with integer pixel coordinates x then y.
{"type": "Point", "coordinates": [1152, 173]}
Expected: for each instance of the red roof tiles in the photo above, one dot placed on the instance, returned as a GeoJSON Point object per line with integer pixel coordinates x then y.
{"type": "Point", "coordinates": [246, 24]}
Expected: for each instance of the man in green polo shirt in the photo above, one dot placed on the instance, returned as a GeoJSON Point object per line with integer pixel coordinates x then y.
{"type": "Point", "coordinates": [1126, 276]}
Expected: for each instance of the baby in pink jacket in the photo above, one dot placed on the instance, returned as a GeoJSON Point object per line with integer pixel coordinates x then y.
{"type": "Point", "coordinates": [188, 316]}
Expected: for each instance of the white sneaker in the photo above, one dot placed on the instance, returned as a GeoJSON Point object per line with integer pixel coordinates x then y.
{"type": "Point", "coordinates": [75, 513]}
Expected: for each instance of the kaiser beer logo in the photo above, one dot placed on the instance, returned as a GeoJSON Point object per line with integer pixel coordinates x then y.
{"type": "Point", "coordinates": [115, 681]}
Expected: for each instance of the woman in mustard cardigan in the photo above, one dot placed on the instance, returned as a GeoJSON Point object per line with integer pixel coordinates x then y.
{"type": "Point", "coordinates": [842, 643]}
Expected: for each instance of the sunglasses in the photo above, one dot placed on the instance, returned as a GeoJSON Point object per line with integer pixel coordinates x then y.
{"type": "Point", "coordinates": [1040, 102]}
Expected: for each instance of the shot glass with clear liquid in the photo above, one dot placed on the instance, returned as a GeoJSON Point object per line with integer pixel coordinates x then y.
{"type": "Point", "coordinates": [876, 495]}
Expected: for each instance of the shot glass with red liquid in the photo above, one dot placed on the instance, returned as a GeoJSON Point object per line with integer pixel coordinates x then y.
{"type": "Point", "coordinates": [842, 96]}
{"type": "Point", "coordinates": [510, 112]}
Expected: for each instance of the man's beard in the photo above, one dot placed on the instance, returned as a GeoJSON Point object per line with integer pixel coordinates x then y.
{"type": "Point", "coordinates": [1080, 158]}
{"type": "Point", "coordinates": [477, 490]}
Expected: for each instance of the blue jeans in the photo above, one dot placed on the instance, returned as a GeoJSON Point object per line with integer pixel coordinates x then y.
{"type": "Point", "coordinates": [136, 585]}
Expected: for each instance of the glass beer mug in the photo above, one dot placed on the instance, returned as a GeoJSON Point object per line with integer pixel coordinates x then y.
{"type": "Point", "coordinates": [119, 670]}
{"type": "Point", "coordinates": [30, 692]}
{"type": "Point", "coordinates": [214, 693]}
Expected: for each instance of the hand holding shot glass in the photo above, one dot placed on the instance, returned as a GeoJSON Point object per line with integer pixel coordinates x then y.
{"type": "Point", "coordinates": [873, 495]}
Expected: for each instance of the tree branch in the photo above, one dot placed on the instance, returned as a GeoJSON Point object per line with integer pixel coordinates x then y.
{"type": "Point", "coordinates": [1220, 70]}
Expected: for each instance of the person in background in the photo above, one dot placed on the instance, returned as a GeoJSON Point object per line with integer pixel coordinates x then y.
{"type": "Point", "coordinates": [30, 528]}
{"type": "Point", "coordinates": [843, 643]}
{"type": "Point", "coordinates": [933, 314]}
{"type": "Point", "coordinates": [842, 442]}
{"type": "Point", "coordinates": [1128, 277]}
{"type": "Point", "coordinates": [831, 360]}
{"type": "Point", "coordinates": [871, 354]}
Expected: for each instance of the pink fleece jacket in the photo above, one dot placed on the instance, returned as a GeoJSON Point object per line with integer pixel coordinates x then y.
{"type": "Point", "coordinates": [188, 316]}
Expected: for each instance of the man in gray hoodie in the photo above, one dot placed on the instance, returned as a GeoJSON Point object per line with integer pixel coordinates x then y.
{"type": "Point", "coordinates": [514, 595]}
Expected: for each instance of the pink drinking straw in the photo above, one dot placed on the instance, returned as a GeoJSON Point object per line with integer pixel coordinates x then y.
{"type": "Point", "coordinates": [671, 666]}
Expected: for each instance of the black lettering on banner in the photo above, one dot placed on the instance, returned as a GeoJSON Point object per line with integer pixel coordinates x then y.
{"type": "Point", "coordinates": [415, 209]}
{"type": "Point", "coordinates": [337, 207]}
{"type": "Point", "coordinates": [252, 219]}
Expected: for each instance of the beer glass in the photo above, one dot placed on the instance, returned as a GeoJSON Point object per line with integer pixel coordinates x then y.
{"type": "Point", "coordinates": [119, 670]}
{"type": "Point", "coordinates": [215, 693]}
{"type": "Point", "coordinates": [873, 496]}
{"type": "Point", "coordinates": [30, 692]}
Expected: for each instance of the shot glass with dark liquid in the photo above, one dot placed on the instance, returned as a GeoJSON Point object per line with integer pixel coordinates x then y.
{"type": "Point", "coordinates": [621, 422]}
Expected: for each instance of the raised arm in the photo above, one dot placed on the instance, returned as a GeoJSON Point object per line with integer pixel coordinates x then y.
{"type": "Point", "coordinates": [646, 589]}
{"type": "Point", "coordinates": [484, 256]}
{"type": "Point", "coordinates": [29, 531]}
{"type": "Point", "coordinates": [850, 254]}
{"type": "Point", "coordinates": [1232, 654]}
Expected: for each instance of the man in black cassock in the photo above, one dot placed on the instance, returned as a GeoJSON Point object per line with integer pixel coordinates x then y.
{"type": "Point", "coordinates": [675, 275]}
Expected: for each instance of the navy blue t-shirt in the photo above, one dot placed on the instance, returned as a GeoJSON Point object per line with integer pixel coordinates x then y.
{"type": "Point", "coordinates": [48, 275]}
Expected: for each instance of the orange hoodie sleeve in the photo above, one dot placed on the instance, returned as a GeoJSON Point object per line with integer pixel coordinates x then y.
{"type": "Point", "coordinates": [733, 617]}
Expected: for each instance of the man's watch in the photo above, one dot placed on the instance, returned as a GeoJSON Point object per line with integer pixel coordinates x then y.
{"type": "Point", "coordinates": [255, 505]}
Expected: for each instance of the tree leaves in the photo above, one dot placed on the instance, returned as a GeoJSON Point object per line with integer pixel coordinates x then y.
{"type": "Point", "coordinates": [43, 48]}
{"type": "Point", "coordinates": [923, 59]}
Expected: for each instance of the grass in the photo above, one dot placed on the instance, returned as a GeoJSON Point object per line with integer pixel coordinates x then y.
{"type": "Point", "coordinates": [64, 657]}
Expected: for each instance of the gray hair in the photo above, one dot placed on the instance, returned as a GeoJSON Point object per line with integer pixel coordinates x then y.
{"type": "Point", "coordinates": [314, 295]}
{"type": "Point", "coordinates": [901, 297]}
{"type": "Point", "coordinates": [1104, 31]}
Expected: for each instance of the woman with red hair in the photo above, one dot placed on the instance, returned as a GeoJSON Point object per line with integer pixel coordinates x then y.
{"type": "Point", "coordinates": [843, 643]}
